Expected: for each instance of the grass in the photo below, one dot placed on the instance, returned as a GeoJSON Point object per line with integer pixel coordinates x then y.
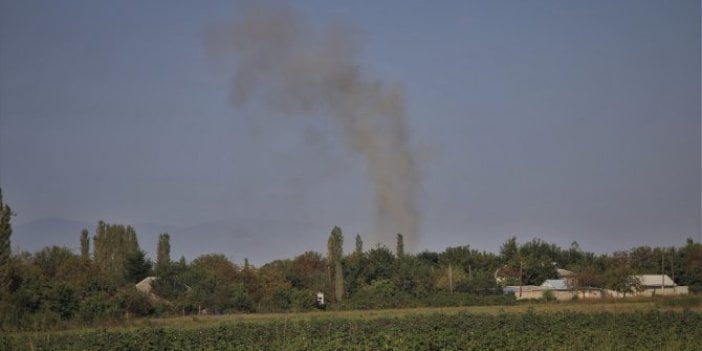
{"type": "Point", "coordinates": [581, 306]}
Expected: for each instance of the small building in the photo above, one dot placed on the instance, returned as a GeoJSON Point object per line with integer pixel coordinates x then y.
{"type": "Point", "coordinates": [320, 300]}
{"type": "Point", "coordinates": [561, 289]}
{"type": "Point", "coordinates": [658, 285]}
{"type": "Point", "coordinates": [655, 280]}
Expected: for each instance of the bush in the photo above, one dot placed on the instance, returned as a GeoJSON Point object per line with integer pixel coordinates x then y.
{"type": "Point", "coordinates": [98, 307]}
{"type": "Point", "coordinates": [134, 302]}
{"type": "Point", "coordinates": [696, 288]}
{"type": "Point", "coordinates": [63, 300]}
{"type": "Point", "coordinates": [302, 300]}
{"type": "Point", "coordinates": [548, 295]}
{"type": "Point", "coordinates": [240, 300]}
{"type": "Point", "coordinates": [380, 294]}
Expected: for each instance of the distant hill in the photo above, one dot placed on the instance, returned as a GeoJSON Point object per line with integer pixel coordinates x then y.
{"type": "Point", "coordinates": [259, 240]}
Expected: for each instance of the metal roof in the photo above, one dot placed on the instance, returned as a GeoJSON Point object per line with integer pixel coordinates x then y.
{"type": "Point", "coordinates": [654, 280]}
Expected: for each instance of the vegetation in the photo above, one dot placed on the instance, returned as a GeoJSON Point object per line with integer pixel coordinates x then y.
{"type": "Point", "coordinates": [335, 246]}
{"type": "Point", "coordinates": [57, 288]}
{"type": "Point", "coordinates": [163, 251]}
{"type": "Point", "coordinates": [653, 330]}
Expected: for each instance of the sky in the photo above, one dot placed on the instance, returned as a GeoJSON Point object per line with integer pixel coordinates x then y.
{"type": "Point", "coordinates": [560, 120]}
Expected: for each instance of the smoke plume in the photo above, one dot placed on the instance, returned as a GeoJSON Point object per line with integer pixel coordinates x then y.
{"type": "Point", "coordinates": [298, 69]}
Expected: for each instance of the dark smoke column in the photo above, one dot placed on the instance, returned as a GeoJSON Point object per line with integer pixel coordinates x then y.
{"type": "Point", "coordinates": [297, 69]}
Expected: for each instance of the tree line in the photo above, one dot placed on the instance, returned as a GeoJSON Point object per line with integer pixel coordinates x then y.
{"type": "Point", "coordinates": [57, 287]}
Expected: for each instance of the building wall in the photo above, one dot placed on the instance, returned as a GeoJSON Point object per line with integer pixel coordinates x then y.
{"type": "Point", "coordinates": [532, 292]}
{"type": "Point", "coordinates": [651, 291]}
{"type": "Point", "coordinates": [560, 295]}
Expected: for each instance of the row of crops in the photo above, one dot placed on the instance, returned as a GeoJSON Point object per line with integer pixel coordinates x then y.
{"type": "Point", "coordinates": [652, 330]}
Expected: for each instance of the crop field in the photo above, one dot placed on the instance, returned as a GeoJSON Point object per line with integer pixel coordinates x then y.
{"type": "Point", "coordinates": [620, 326]}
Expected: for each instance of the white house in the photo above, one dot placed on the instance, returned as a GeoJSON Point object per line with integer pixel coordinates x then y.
{"type": "Point", "coordinates": [653, 285]}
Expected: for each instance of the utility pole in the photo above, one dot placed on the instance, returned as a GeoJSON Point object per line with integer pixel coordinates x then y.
{"type": "Point", "coordinates": [662, 271]}
{"type": "Point", "coordinates": [521, 274]}
{"type": "Point", "coordinates": [672, 272]}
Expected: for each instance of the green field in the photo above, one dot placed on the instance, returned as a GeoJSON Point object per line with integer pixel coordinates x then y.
{"type": "Point", "coordinates": [642, 325]}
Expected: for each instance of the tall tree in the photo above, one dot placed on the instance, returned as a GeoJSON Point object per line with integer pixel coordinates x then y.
{"type": "Point", "coordinates": [113, 244]}
{"type": "Point", "coordinates": [136, 266]}
{"type": "Point", "coordinates": [100, 246]}
{"type": "Point", "coordinates": [400, 246]}
{"type": "Point", "coordinates": [359, 245]}
{"type": "Point", "coordinates": [84, 245]}
{"type": "Point", "coordinates": [163, 258]}
{"type": "Point", "coordinates": [5, 245]}
{"type": "Point", "coordinates": [509, 250]}
{"type": "Point", "coordinates": [334, 245]}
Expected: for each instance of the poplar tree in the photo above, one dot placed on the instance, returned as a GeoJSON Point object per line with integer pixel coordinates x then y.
{"type": "Point", "coordinates": [334, 245]}
{"type": "Point", "coordinates": [113, 245]}
{"type": "Point", "coordinates": [100, 249]}
{"type": "Point", "coordinates": [400, 251]}
{"type": "Point", "coordinates": [359, 245]}
{"type": "Point", "coordinates": [5, 245]}
{"type": "Point", "coordinates": [84, 245]}
{"type": "Point", "coordinates": [163, 251]}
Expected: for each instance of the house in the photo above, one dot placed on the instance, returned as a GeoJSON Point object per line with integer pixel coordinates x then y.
{"type": "Point", "coordinates": [537, 292]}
{"type": "Point", "coordinates": [652, 285]}
{"type": "Point", "coordinates": [561, 289]}
{"type": "Point", "coordinates": [564, 289]}
{"type": "Point", "coordinates": [655, 280]}
{"type": "Point", "coordinates": [658, 285]}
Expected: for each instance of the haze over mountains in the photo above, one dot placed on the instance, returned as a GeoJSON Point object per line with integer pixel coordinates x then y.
{"type": "Point", "coordinates": [236, 238]}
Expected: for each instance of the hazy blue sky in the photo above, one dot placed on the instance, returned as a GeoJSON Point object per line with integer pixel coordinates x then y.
{"type": "Point", "coordinates": [564, 120]}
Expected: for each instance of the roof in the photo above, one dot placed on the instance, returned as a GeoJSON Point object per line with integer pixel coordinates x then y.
{"type": "Point", "coordinates": [145, 284]}
{"type": "Point", "coordinates": [563, 273]}
{"type": "Point", "coordinates": [654, 280]}
{"type": "Point", "coordinates": [558, 284]}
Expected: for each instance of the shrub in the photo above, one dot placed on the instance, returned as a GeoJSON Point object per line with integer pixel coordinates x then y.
{"type": "Point", "coordinates": [97, 307]}
{"type": "Point", "coordinates": [134, 302]}
{"type": "Point", "coordinates": [548, 295]}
